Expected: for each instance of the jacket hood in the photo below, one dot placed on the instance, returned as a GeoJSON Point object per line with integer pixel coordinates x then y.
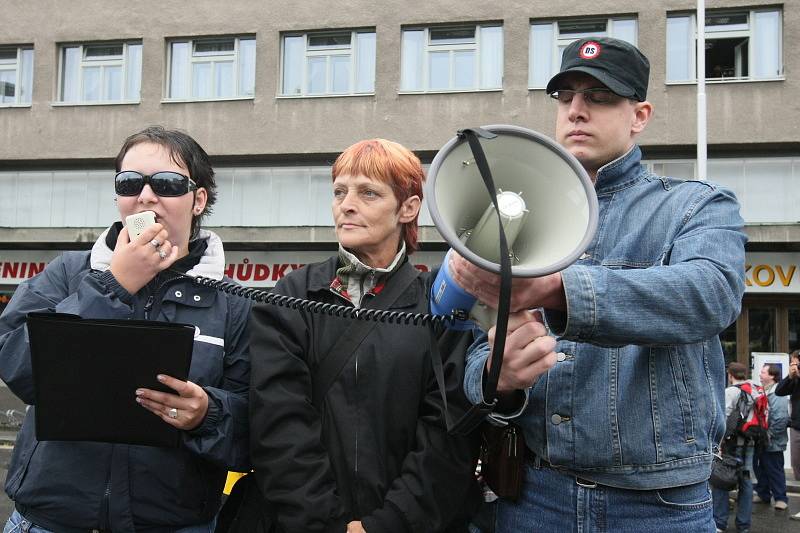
{"type": "Point", "coordinates": [211, 265]}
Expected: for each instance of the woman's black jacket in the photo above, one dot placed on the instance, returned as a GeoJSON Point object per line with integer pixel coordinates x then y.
{"type": "Point", "coordinates": [377, 448]}
{"type": "Point", "coordinates": [790, 386]}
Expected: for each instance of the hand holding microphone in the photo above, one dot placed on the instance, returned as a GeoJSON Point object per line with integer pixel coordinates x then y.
{"type": "Point", "coordinates": [529, 351]}
{"type": "Point", "coordinates": [136, 261]}
{"type": "Point", "coordinates": [526, 293]}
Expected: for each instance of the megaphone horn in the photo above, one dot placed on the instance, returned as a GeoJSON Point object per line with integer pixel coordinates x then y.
{"type": "Point", "coordinates": [546, 202]}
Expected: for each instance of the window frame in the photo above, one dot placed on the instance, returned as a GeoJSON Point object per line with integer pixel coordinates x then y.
{"type": "Point", "coordinates": [214, 58]}
{"type": "Point", "coordinates": [326, 51]}
{"type": "Point", "coordinates": [476, 47]}
{"type": "Point", "coordinates": [558, 41]}
{"type": "Point", "coordinates": [121, 61]}
{"type": "Point", "coordinates": [730, 33]}
{"type": "Point", "coordinates": [17, 67]}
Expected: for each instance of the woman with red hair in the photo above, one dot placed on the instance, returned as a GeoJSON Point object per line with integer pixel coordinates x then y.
{"type": "Point", "coordinates": [369, 451]}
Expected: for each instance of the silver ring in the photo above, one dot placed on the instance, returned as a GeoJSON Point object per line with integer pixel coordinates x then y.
{"type": "Point", "coordinates": [162, 254]}
{"type": "Point", "coordinates": [172, 413]}
{"type": "Point", "coordinates": [156, 243]}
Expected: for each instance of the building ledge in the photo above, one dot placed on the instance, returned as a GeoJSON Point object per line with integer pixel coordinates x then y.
{"type": "Point", "coordinates": [761, 237]}
{"type": "Point", "coordinates": [235, 238]}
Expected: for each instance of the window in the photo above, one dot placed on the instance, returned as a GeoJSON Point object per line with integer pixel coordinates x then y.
{"type": "Point", "coordinates": [549, 39]}
{"type": "Point", "coordinates": [765, 186]}
{"type": "Point", "coordinates": [328, 63]}
{"type": "Point", "coordinates": [16, 75]}
{"type": "Point", "coordinates": [102, 73]}
{"type": "Point", "coordinates": [455, 58]}
{"type": "Point", "coordinates": [740, 45]}
{"type": "Point", "coordinates": [212, 69]}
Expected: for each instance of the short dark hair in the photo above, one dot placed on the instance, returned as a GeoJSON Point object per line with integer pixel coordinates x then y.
{"type": "Point", "coordinates": [774, 371]}
{"type": "Point", "coordinates": [183, 150]}
{"type": "Point", "coordinates": [795, 355]}
{"type": "Point", "coordinates": [737, 370]}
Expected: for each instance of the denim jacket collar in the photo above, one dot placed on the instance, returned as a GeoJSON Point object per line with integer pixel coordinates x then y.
{"type": "Point", "coordinates": [620, 173]}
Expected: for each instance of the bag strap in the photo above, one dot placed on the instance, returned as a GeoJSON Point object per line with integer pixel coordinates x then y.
{"type": "Point", "coordinates": [339, 354]}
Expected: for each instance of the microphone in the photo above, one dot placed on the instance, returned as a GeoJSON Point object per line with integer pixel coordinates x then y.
{"type": "Point", "coordinates": [446, 295]}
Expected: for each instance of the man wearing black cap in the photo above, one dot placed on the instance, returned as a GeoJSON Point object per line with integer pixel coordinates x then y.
{"type": "Point", "coordinates": [621, 429]}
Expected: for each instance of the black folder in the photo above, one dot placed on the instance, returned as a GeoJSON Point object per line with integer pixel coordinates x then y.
{"type": "Point", "coordinates": [86, 373]}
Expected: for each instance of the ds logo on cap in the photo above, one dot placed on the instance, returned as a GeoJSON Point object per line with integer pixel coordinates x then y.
{"type": "Point", "coordinates": [589, 50]}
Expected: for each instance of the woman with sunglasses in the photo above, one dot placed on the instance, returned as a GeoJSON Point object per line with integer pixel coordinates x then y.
{"type": "Point", "coordinates": [84, 486]}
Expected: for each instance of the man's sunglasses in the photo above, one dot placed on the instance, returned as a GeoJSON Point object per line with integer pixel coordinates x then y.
{"type": "Point", "coordinates": [131, 183]}
{"type": "Point", "coordinates": [597, 95]}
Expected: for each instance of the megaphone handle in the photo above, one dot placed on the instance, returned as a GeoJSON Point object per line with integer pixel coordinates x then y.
{"type": "Point", "coordinates": [504, 304]}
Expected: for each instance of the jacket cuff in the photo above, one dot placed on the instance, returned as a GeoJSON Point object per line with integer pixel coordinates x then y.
{"type": "Point", "coordinates": [580, 320]}
{"type": "Point", "coordinates": [474, 376]}
{"type": "Point", "coordinates": [212, 418]}
{"type": "Point", "coordinates": [388, 519]}
{"type": "Point", "coordinates": [508, 407]}
{"type": "Point", "coordinates": [108, 280]}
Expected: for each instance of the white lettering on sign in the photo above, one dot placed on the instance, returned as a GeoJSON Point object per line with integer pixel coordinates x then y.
{"type": "Point", "coordinates": [253, 269]}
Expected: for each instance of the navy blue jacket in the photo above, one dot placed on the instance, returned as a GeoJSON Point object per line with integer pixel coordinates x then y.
{"type": "Point", "coordinates": [66, 486]}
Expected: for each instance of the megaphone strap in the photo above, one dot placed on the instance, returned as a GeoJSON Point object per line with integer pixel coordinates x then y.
{"type": "Point", "coordinates": [504, 305]}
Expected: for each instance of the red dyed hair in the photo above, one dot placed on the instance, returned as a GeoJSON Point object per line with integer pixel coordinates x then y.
{"type": "Point", "coordinates": [390, 163]}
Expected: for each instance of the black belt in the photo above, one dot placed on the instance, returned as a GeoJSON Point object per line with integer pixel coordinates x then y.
{"type": "Point", "coordinates": [538, 461]}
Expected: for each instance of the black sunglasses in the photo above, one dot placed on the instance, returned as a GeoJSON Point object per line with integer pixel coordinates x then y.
{"type": "Point", "coordinates": [131, 183]}
{"type": "Point", "coordinates": [595, 95]}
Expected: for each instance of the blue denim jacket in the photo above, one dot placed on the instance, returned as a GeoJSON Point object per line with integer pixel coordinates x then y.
{"type": "Point", "coordinates": [636, 399]}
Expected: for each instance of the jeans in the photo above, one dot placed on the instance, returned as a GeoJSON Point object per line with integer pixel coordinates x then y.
{"type": "Point", "coordinates": [768, 468]}
{"type": "Point", "coordinates": [744, 504]}
{"type": "Point", "coordinates": [553, 501]}
{"type": "Point", "coordinates": [17, 524]}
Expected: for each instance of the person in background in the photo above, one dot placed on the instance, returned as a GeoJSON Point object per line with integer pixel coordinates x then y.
{"type": "Point", "coordinates": [790, 386]}
{"type": "Point", "coordinates": [372, 453]}
{"type": "Point", "coordinates": [93, 486]}
{"type": "Point", "coordinates": [621, 430]}
{"type": "Point", "coordinates": [739, 446]}
{"type": "Point", "coordinates": [768, 464]}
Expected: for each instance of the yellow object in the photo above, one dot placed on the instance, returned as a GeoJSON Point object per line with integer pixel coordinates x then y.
{"type": "Point", "coordinates": [233, 477]}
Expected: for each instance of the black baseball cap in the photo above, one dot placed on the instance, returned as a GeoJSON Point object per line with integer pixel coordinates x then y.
{"type": "Point", "coordinates": [617, 64]}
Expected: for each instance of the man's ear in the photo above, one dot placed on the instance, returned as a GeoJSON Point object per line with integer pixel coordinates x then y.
{"type": "Point", "coordinates": [641, 116]}
{"type": "Point", "coordinates": [409, 209]}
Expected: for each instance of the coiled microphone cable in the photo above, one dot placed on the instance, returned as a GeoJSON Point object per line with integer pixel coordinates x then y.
{"type": "Point", "coordinates": [344, 311]}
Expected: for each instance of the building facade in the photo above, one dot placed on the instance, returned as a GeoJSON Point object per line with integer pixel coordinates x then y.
{"type": "Point", "coordinates": [275, 90]}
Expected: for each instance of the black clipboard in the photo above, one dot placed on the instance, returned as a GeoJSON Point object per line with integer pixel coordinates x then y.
{"type": "Point", "coordinates": [86, 373]}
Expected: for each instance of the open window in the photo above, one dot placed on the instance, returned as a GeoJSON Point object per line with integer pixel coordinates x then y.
{"type": "Point", "coordinates": [740, 45]}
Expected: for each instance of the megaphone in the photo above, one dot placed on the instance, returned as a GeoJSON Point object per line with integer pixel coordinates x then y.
{"type": "Point", "coordinates": [547, 206]}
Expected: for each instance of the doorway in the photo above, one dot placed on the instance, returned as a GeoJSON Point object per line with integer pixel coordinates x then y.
{"type": "Point", "coordinates": [766, 324]}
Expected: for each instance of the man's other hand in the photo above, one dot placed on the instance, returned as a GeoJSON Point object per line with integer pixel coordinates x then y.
{"type": "Point", "coordinates": [528, 352]}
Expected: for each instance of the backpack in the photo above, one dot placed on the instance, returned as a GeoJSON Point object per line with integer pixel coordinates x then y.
{"type": "Point", "coordinates": [749, 417]}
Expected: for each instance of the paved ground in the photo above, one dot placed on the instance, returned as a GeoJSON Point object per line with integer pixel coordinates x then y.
{"type": "Point", "coordinates": [768, 520]}
{"type": "Point", "coordinates": [765, 518]}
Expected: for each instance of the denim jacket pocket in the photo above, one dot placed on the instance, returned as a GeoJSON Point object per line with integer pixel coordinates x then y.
{"type": "Point", "coordinates": [673, 400]}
